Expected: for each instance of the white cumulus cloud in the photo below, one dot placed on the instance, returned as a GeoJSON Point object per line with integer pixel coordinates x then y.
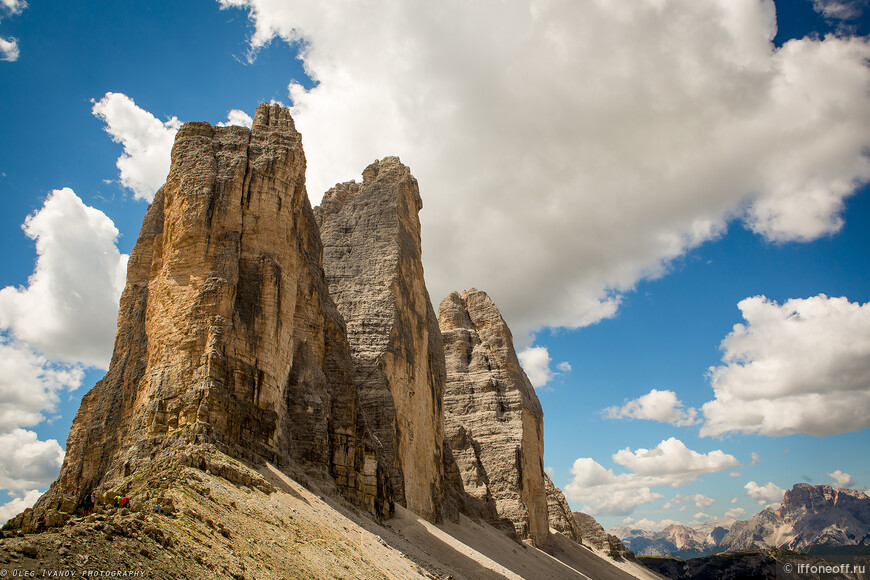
{"type": "Point", "coordinates": [20, 502]}
{"type": "Point", "coordinates": [535, 361]}
{"type": "Point", "coordinates": [671, 459]}
{"type": "Point", "coordinates": [841, 479]}
{"type": "Point", "coordinates": [26, 462]}
{"type": "Point", "coordinates": [237, 117]}
{"type": "Point", "coordinates": [30, 385]}
{"type": "Point", "coordinates": [766, 495]}
{"type": "Point", "coordinates": [735, 513]}
{"type": "Point", "coordinates": [147, 143]}
{"type": "Point", "coordinates": [700, 501]}
{"type": "Point", "coordinates": [596, 141]}
{"type": "Point", "coordinates": [9, 50]}
{"type": "Point", "coordinates": [661, 406]}
{"type": "Point", "coordinates": [13, 7]}
{"type": "Point", "coordinates": [69, 308]}
{"type": "Point", "coordinates": [670, 463]}
{"type": "Point", "coordinates": [799, 367]}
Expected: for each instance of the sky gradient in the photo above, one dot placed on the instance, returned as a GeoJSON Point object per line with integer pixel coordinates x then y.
{"type": "Point", "coordinates": [668, 202]}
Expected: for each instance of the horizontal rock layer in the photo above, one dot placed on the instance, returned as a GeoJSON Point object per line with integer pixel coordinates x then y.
{"type": "Point", "coordinates": [374, 270]}
{"type": "Point", "coordinates": [226, 332]}
{"type": "Point", "coordinates": [493, 419]}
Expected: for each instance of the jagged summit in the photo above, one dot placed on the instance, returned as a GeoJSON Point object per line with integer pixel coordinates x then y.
{"type": "Point", "coordinates": [227, 334]}
{"type": "Point", "coordinates": [493, 419]}
{"type": "Point", "coordinates": [281, 386]}
{"type": "Point", "coordinates": [374, 270]}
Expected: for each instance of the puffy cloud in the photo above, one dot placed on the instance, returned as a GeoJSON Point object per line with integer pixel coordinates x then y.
{"type": "Point", "coordinates": [841, 479]}
{"type": "Point", "coordinates": [9, 49]}
{"type": "Point", "coordinates": [29, 385]}
{"type": "Point", "coordinates": [603, 492]}
{"type": "Point", "coordinates": [147, 143]}
{"type": "Point", "coordinates": [536, 362]}
{"type": "Point", "coordinates": [699, 500]}
{"type": "Point", "coordinates": [13, 7]}
{"type": "Point", "coordinates": [551, 471]}
{"type": "Point", "coordinates": [735, 474]}
{"type": "Point", "coordinates": [237, 117]}
{"type": "Point", "coordinates": [662, 406]}
{"type": "Point", "coordinates": [770, 494]}
{"type": "Point", "coordinates": [596, 141]}
{"type": "Point", "coordinates": [18, 504]}
{"type": "Point", "coordinates": [800, 367]}
{"type": "Point", "coordinates": [735, 513]}
{"type": "Point", "coordinates": [26, 462]}
{"type": "Point", "coordinates": [69, 309]}
{"type": "Point", "coordinates": [675, 462]}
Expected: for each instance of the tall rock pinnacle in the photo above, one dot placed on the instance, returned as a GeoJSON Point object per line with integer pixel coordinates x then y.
{"type": "Point", "coordinates": [493, 420]}
{"type": "Point", "coordinates": [226, 334]}
{"type": "Point", "coordinates": [372, 259]}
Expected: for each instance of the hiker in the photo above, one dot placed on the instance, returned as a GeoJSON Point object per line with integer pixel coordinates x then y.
{"type": "Point", "coordinates": [117, 501]}
{"type": "Point", "coordinates": [124, 501]}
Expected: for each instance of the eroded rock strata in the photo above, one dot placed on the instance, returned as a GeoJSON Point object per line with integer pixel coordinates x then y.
{"type": "Point", "coordinates": [559, 512]}
{"type": "Point", "coordinates": [226, 332]}
{"type": "Point", "coordinates": [493, 419]}
{"type": "Point", "coordinates": [372, 259]}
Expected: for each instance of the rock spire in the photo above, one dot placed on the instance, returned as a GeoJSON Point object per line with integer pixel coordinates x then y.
{"type": "Point", "coordinates": [493, 419]}
{"type": "Point", "coordinates": [227, 335]}
{"type": "Point", "coordinates": [374, 270]}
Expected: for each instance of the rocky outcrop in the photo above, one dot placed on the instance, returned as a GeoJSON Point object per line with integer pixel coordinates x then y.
{"type": "Point", "coordinates": [559, 512]}
{"type": "Point", "coordinates": [810, 517]}
{"type": "Point", "coordinates": [594, 535]}
{"type": "Point", "coordinates": [372, 259]}
{"type": "Point", "coordinates": [493, 420]}
{"type": "Point", "coordinates": [227, 335]}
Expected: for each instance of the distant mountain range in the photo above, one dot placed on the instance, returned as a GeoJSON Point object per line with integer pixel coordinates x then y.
{"type": "Point", "coordinates": [811, 519]}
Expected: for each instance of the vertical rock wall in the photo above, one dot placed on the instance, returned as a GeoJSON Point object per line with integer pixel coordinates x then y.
{"type": "Point", "coordinates": [372, 259]}
{"type": "Point", "coordinates": [226, 331]}
{"type": "Point", "coordinates": [493, 419]}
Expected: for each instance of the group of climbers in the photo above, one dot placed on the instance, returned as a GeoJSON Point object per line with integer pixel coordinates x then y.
{"type": "Point", "coordinates": [86, 502]}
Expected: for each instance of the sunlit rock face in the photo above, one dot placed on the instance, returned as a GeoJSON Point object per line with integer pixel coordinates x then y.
{"type": "Point", "coordinates": [226, 333]}
{"type": "Point", "coordinates": [493, 420]}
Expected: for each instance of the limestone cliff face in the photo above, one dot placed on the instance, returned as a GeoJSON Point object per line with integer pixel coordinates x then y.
{"type": "Point", "coordinates": [493, 419]}
{"type": "Point", "coordinates": [559, 512]}
{"type": "Point", "coordinates": [594, 535]}
{"type": "Point", "coordinates": [226, 332]}
{"type": "Point", "coordinates": [372, 259]}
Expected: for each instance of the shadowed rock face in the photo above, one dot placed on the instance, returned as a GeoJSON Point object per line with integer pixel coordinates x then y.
{"type": "Point", "coordinates": [559, 512]}
{"type": "Point", "coordinates": [226, 332]}
{"type": "Point", "coordinates": [493, 419]}
{"type": "Point", "coordinates": [372, 259]}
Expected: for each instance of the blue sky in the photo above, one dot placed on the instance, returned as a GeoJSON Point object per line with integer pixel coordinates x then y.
{"type": "Point", "coordinates": [619, 180]}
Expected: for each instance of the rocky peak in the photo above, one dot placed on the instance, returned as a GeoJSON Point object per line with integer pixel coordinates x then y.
{"type": "Point", "coordinates": [373, 264]}
{"type": "Point", "coordinates": [493, 420]}
{"type": "Point", "coordinates": [227, 335]}
{"type": "Point", "coordinates": [594, 535]}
